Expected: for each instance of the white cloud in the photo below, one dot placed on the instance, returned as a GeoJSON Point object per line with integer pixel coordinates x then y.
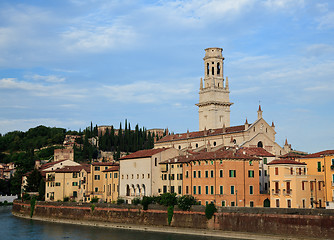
{"type": "Point", "coordinates": [48, 78]}
{"type": "Point", "coordinates": [326, 21]}
{"type": "Point", "coordinates": [147, 92]}
{"type": "Point", "coordinates": [283, 4]}
{"type": "Point", "coordinates": [58, 91]}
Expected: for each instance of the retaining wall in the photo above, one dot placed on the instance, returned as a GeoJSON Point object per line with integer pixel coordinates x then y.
{"type": "Point", "coordinates": [316, 223]}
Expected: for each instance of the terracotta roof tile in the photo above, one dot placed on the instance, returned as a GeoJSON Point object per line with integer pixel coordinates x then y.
{"type": "Point", "coordinates": [285, 161]}
{"type": "Point", "coordinates": [211, 156]}
{"type": "Point", "coordinates": [256, 151]}
{"type": "Point", "coordinates": [143, 153]}
{"type": "Point", "coordinates": [112, 169]}
{"type": "Point", "coordinates": [320, 154]}
{"type": "Point", "coordinates": [104, 163]}
{"type": "Point", "coordinates": [50, 164]}
{"type": "Point", "coordinates": [211, 132]}
{"type": "Point", "coordinates": [69, 169]}
{"type": "Point", "coordinates": [292, 155]}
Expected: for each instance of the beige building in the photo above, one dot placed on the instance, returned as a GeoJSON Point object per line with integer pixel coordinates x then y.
{"type": "Point", "coordinates": [64, 183]}
{"type": "Point", "coordinates": [215, 131]}
{"type": "Point", "coordinates": [292, 187]}
{"type": "Point", "coordinates": [140, 173]}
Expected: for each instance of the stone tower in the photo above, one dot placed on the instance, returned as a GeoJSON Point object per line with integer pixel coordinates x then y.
{"type": "Point", "coordinates": [214, 104]}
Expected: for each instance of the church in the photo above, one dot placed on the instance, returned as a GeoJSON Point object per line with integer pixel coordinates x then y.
{"type": "Point", "coordinates": [215, 131]}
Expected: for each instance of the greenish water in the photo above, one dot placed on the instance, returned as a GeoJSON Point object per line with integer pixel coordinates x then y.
{"type": "Point", "coordinates": [21, 229]}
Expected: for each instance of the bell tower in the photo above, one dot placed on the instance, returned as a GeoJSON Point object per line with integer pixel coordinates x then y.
{"type": "Point", "coordinates": [214, 103]}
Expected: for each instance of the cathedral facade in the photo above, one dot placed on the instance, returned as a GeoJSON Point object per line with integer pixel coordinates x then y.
{"type": "Point", "coordinates": [215, 131]}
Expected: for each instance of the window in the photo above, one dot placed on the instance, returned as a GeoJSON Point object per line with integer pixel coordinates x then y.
{"type": "Point", "coordinates": [303, 185]}
{"type": "Point", "coordinates": [96, 189]}
{"type": "Point", "coordinates": [194, 174]}
{"type": "Point", "coordinates": [106, 175]}
{"type": "Point", "coordinates": [214, 143]}
{"type": "Point", "coordinates": [194, 191]}
{"type": "Point", "coordinates": [206, 174]}
{"type": "Point", "coordinates": [251, 173]}
{"type": "Point", "coordinates": [251, 163]}
{"type": "Point", "coordinates": [265, 160]}
{"type": "Point", "coordinates": [97, 177]}
{"type": "Point", "coordinates": [232, 173]}
{"type": "Point", "coordinates": [199, 174]}
{"type": "Point", "coordinates": [164, 189]}
{"type": "Point", "coordinates": [75, 194]}
{"type": "Point", "coordinates": [251, 190]}
{"type": "Point", "coordinates": [291, 171]}
{"type": "Point", "coordinates": [276, 170]}
{"type": "Point", "coordinates": [180, 147]}
{"type": "Point", "coordinates": [289, 203]}
{"type": "Point", "coordinates": [211, 174]}
{"type": "Point", "coordinates": [57, 184]}
{"type": "Point", "coordinates": [277, 203]}
{"type": "Point", "coordinates": [187, 189]}
{"type": "Point", "coordinates": [199, 190]}
{"type": "Point", "coordinates": [148, 175]}
{"type": "Point", "coordinates": [206, 189]}
{"type": "Point", "coordinates": [75, 175]}
{"type": "Point", "coordinates": [187, 174]}
{"type": "Point", "coordinates": [212, 190]}
{"type": "Point", "coordinates": [172, 189]}
{"type": "Point", "coordinates": [218, 68]}
{"type": "Point", "coordinates": [319, 167]}
{"type": "Point", "coordinates": [155, 162]}
{"type": "Point", "coordinates": [232, 190]}
{"type": "Point", "coordinates": [196, 145]}
{"type": "Point", "coordinates": [265, 173]}
{"type": "Point", "coordinates": [319, 183]}
{"type": "Point", "coordinates": [179, 189]}
{"type": "Point", "coordinates": [97, 168]}
{"type": "Point", "coordinates": [207, 69]}
{"type": "Point", "coordinates": [221, 190]}
{"type": "Point", "coordinates": [223, 203]}
{"type": "Point", "coordinates": [232, 204]}
{"type": "Point", "coordinates": [220, 173]}
{"type": "Point", "coordinates": [251, 204]}
{"type": "Point", "coordinates": [181, 176]}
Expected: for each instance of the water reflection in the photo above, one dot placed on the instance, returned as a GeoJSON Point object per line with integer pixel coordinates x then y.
{"type": "Point", "coordinates": [18, 228]}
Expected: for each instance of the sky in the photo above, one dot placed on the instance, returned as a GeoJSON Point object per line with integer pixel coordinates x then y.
{"type": "Point", "coordinates": [69, 63]}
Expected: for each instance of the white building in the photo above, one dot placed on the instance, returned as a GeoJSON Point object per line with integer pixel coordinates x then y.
{"type": "Point", "coordinates": [140, 172]}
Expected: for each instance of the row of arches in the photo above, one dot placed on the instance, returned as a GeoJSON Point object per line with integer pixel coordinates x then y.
{"type": "Point", "coordinates": [136, 190]}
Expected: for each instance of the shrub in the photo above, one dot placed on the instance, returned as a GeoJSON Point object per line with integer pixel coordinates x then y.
{"type": "Point", "coordinates": [168, 199]}
{"type": "Point", "coordinates": [170, 213]}
{"type": "Point", "coordinates": [26, 197]}
{"type": "Point", "coordinates": [120, 201]}
{"type": "Point", "coordinates": [135, 201]}
{"type": "Point", "coordinates": [185, 202]}
{"type": "Point", "coordinates": [210, 209]}
{"type": "Point", "coordinates": [94, 200]}
{"type": "Point", "coordinates": [92, 206]}
{"type": "Point", "coordinates": [32, 206]}
{"type": "Point", "coordinates": [66, 199]}
{"type": "Point", "coordinates": [146, 201]}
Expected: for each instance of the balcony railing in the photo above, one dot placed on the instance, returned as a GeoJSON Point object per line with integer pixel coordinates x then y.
{"type": "Point", "coordinates": [287, 192]}
{"type": "Point", "coordinates": [276, 191]}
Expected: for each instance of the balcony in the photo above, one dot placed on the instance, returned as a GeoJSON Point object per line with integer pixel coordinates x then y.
{"type": "Point", "coordinates": [287, 192]}
{"type": "Point", "coordinates": [275, 191]}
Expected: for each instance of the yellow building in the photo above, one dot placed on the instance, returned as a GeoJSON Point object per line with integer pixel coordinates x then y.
{"type": "Point", "coordinates": [322, 164]}
{"type": "Point", "coordinates": [111, 184]}
{"type": "Point", "coordinates": [64, 183]}
{"type": "Point", "coordinates": [96, 182]}
{"type": "Point", "coordinates": [291, 186]}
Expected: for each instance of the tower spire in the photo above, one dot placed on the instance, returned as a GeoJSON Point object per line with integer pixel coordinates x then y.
{"type": "Point", "coordinates": [259, 112]}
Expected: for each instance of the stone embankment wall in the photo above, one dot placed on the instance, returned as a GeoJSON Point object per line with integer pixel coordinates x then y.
{"type": "Point", "coordinates": [317, 223]}
{"type": "Point", "coordinates": [9, 198]}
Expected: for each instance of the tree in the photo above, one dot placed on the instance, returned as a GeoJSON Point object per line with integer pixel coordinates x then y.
{"type": "Point", "coordinates": [33, 181]}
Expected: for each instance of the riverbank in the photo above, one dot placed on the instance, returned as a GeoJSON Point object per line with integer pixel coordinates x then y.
{"type": "Point", "coordinates": [171, 230]}
{"type": "Point", "coordinates": [233, 223]}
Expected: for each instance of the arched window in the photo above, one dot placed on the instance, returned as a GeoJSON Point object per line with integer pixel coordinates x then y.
{"type": "Point", "coordinates": [207, 69]}
{"type": "Point", "coordinates": [213, 71]}
{"type": "Point", "coordinates": [144, 190]}
{"type": "Point", "coordinates": [179, 146]}
{"type": "Point", "coordinates": [260, 144]}
{"type": "Point", "coordinates": [127, 190]}
{"type": "Point", "coordinates": [218, 68]}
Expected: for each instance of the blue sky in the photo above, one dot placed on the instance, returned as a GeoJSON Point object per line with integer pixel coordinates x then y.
{"type": "Point", "coordinates": [67, 63]}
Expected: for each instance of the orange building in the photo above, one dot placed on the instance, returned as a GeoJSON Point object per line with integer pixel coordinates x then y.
{"type": "Point", "coordinates": [224, 177]}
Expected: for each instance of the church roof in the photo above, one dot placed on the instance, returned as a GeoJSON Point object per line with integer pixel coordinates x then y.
{"type": "Point", "coordinates": [198, 134]}
{"type": "Point", "coordinates": [320, 154]}
{"type": "Point", "coordinates": [256, 151]}
{"type": "Point", "coordinates": [143, 153]}
{"type": "Point", "coordinates": [225, 154]}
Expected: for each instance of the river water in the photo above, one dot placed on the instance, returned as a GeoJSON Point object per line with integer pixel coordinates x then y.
{"type": "Point", "coordinates": [15, 228]}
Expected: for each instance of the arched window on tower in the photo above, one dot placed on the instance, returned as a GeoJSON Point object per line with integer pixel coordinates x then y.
{"type": "Point", "coordinates": [213, 71]}
{"type": "Point", "coordinates": [218, 68]}
{"type": "Point", "coordinates": [260, 144]}
{"type": "Point", "coordinates": [207, 69]}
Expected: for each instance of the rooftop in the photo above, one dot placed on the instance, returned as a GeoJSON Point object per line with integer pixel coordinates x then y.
{"type": "Point", "coordinates": [143, 153]}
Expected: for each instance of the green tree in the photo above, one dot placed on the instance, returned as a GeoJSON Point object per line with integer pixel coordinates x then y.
{"type": "Point", "coordinates": [33, 181]}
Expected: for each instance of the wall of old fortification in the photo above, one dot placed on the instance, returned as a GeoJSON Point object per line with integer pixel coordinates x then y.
{"type": "Point", "coordinates": [317, 223]}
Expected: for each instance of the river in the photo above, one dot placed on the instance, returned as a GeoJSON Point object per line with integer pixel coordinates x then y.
{"type": "Point", "coordinates": [15, 228]}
